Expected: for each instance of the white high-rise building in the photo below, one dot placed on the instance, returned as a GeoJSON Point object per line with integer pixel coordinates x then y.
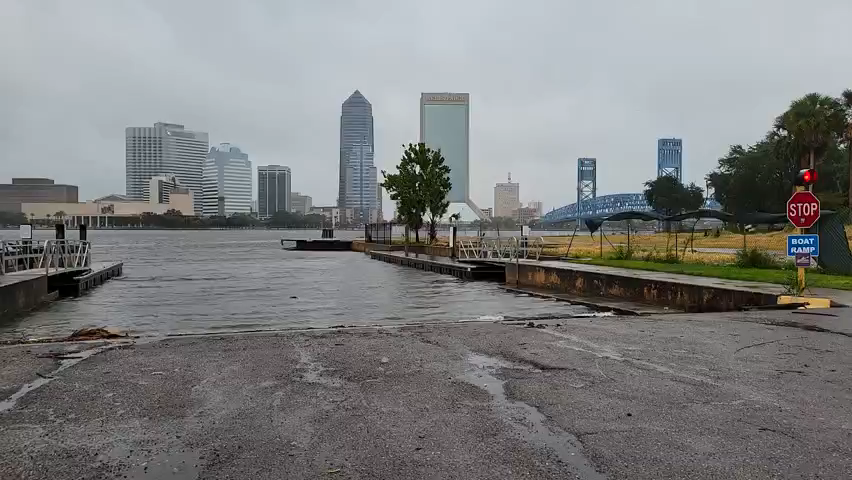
{"type": "Point", "coordinates": [507, 198]}
{"type": "Point", "coordinates": [165, 148]}
{"type": "Point", "coordinates": [362, 183]}
{"type": "Point", "coordinates": [227, 181]}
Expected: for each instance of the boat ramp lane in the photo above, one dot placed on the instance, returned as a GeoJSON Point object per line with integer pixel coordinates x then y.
{"type": "Point", "coordinates": [33, 273]}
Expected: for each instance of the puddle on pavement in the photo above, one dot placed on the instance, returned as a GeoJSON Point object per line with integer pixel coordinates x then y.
{"type": "Point", "coordinates": [179, 464]}
{"type": "Point", "coordinates": [78, 356]}
{"type": "Point", "coordinates": [532, 428]}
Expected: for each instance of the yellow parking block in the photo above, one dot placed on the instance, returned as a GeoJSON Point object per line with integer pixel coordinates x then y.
{"type": "Point", "coordinates": [812, 302]}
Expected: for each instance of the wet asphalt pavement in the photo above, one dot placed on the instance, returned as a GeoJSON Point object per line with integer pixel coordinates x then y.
{"type": "Point", "coordinates": [680, 396]}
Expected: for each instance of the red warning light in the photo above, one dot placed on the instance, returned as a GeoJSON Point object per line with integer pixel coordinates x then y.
{"type": "Point", "coordinates": [806, 176]}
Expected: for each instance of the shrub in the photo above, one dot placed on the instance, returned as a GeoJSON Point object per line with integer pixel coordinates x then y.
{"type": "Point", "coordinates": [670, 256]}
{"type": "Point", "coordinates": [755, 258]}
{"type": "Point", "coordinates": [620, 252]}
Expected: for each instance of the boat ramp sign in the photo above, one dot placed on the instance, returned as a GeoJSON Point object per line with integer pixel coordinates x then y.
{"type": "Point", "coordinates": [803, 244]}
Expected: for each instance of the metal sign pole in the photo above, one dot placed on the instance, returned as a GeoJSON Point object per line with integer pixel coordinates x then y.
{"type": "Point", "coordinates": [800, 274]}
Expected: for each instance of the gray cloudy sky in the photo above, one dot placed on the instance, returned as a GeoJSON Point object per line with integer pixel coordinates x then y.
{"type": "Point", "coordinates": [550, 81]}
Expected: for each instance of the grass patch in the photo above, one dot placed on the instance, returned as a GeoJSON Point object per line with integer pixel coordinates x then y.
{"type": "Point", "coordinates": [730, 272]}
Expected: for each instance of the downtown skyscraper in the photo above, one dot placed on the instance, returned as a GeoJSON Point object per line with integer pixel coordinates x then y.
{"type": "Point", "coordinates": [227, 181]}
{"type": "Point", "coordinates": [356, 136]}
{"type": "Point", "coordinates": [165, 149]}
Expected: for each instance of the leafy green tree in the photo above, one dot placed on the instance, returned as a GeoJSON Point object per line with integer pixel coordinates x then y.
{"type": "Point", "coordinates": [846, 98]}
{"type": "Point", "coordinates": [813, 123]}
{"type": "Point", "coordinates": [404, 187]}
{"type": "Point", "coordinates": [752, 179]}
{"type": "Point", "coordinates": [434, 185]}
{"type": "Point", "coordinates": [759, 177]}
{"type": "Point", "coordinates": [668, 196]}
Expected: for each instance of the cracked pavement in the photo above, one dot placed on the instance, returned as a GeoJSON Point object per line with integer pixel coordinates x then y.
{"type": "Point", "coordinates": [725, 396]}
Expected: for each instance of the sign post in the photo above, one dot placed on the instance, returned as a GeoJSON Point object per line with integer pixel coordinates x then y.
{"type": "Point", "coordinates": [803, 212]}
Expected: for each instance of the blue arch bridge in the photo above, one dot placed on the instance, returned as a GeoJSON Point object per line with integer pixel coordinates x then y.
{"type": "Point", "coordinates": [606, 205]}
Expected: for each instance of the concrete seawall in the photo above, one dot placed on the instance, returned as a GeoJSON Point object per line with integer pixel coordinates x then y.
{"type": "Point", "coordinates": [692, 294]}
{"type": "Point", "coordinates": [21, 293]}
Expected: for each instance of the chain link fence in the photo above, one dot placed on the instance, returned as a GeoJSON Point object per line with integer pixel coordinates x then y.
{"type": "Point", "coordinates": [706, 241]}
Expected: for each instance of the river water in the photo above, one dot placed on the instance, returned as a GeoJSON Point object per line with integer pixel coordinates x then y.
{"type": "Point", "coordinates": [218, 281]}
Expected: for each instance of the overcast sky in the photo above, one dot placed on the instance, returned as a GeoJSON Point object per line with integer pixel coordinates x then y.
{"type": "Point", "coordinates": [550, 81]}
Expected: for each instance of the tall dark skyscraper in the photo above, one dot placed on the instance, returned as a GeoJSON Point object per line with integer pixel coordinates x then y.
{"type": "Point", "coordinates": [356, 129]}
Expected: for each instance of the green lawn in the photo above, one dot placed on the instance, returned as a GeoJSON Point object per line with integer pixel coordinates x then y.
{"type": "Point", "coordinates": [814, 280]}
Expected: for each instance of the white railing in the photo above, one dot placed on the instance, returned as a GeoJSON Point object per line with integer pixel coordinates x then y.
{"type": "Point", "coordinates": [16, 256]}
{"type": "Point", "coordinates": [50, 255]}
{"type": "Point", "coordinates": [501, 249]}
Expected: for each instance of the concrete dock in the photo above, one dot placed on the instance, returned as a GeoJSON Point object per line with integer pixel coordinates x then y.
{"type": "Point", "coordinates": [443, 265]}
{"type": "Point", "coordinates": [26, 290]}
{"type": "Point", "coordinates": [711, 396]}
{"type": "Point", "coordinates": [649, 291]}
{"type": "Point", "coordinates": [22, 291]}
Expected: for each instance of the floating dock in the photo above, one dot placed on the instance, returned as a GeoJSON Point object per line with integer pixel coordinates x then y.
{"type": "Point", "coordinates": [79, 283]}
{"type": "Point", "coordinates": [34, 273]}
{"type": "Point", "coordinates": [318, 244]}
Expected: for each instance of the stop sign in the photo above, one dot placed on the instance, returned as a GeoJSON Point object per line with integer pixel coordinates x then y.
{"type": "Point", "coordinates": [803, 209]}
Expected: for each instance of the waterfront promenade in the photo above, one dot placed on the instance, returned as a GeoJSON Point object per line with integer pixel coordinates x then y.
{"type": "Point", "coordinates": [721, 396]}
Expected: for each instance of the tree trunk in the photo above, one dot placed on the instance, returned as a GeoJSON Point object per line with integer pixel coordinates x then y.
{"type": "Point", "coordinates": [417, 235]}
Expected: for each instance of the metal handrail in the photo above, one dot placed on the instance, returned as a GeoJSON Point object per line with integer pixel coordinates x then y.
{"type": "Point", "coordinates": [19, 255]}
{"type": "Point", "coordinates": [66, 254]}
{"type": "Point", "coordinates": [16, 256]}
{"type": "Point", "coordinates": [501, 248]}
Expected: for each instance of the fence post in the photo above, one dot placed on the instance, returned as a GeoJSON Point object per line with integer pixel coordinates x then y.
{"type": "Point", "coordinates": [677, 246]}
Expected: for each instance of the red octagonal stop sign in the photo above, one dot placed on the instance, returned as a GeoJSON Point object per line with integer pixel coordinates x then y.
{"type": "Point", "coordinates": [803, 209]}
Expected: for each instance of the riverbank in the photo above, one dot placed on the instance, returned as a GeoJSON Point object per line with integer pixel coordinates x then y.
{"type": "Point", "coordinates": [677, 396]}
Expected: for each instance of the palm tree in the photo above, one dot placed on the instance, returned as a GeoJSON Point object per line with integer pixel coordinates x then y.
{"type": "Point", "coordinates": [846, 97]}
{"type": "Point", "coordinates": [47, 216]}
{"type": "Point", "coordinates": [60, 216]}
{"type": "Point", "coordinates": [813, 123]}
{"type": "Point", "coordinates": [32, 217]}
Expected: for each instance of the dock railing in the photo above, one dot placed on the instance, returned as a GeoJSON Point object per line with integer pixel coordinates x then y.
{"type": "Point", "coordinates": [49, 255]}
{"type": "Point", "coordinates": [501, 248]}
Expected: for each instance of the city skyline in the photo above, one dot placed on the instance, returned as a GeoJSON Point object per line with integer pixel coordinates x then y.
{"type": "Point", "coordinates": [528, 115]}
